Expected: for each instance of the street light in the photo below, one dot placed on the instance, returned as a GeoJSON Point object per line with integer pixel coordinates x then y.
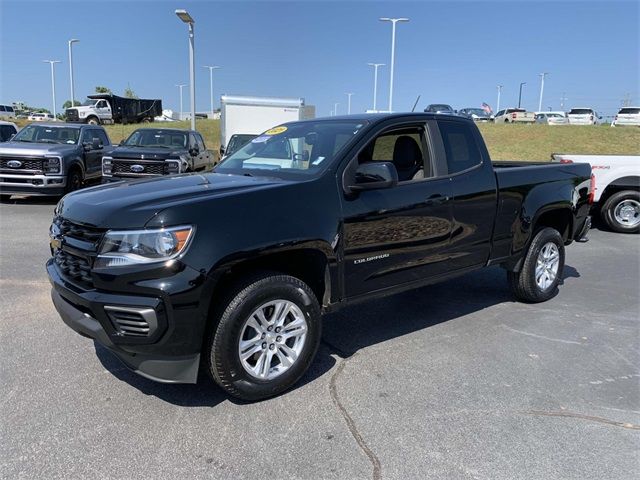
{"type": "Point", "coordinates": [542, 75]}
{"type": "Point", "coordinates": [393, 53]}
{"type": "Point", "coordinates": [348, 103]}
{"type": "Point", "coordinates": [71, 42]}
{"type": "Point", "coordinates": [375, 82]}
{"type": "Point", "coordinates": [498, 103]}
{"type": "Point", "coordinates": [53, 83]}
{"type": "Point", "coordinates": [520, 94]}
{"type": "Point", "coordinates": [181, 87]}
{"type": "Point", "coordinates": [186, 18]}
{"type": "Point", "coordinates": [211, 69]}
{"type": "Point", "coordinates": [335, 109]}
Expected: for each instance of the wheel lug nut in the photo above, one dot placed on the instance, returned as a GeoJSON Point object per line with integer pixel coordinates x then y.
{"type": "Point", "coordinates": [278, 329]}
{"type": "Point", "coordinates": [264, 345]}
{"type": "Point", "coordinates": [263, 335]}
{"type": "Point", "coordinates": [272, 346]}
{"type": "Point", "coordinates": [278, 338]}
{"type": "Point", "coordinates": [269, 329]}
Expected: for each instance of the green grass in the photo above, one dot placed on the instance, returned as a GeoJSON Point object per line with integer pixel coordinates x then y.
{"type": "Point", "coordinates": [505, 142]}
{"type": "Point", "coordinates": [537, 142]}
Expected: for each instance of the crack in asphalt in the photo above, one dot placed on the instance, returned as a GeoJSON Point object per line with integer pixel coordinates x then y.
{"type": "Point", "coordinates": [581, 416]}
{"type": "Point", "coordinates": [351, 424]}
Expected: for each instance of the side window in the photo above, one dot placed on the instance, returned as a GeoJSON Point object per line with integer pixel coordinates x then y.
{"type": "Point", "coordinates": [200, 143]}
{"type": "Point", "coordinates": [405, 148]}
{"type": "Point", "coordinates": [192, 140]}
{"type": "Point", "coordinates": [460, 146]}
{"type": "Point", "coordinates": [102, 136]}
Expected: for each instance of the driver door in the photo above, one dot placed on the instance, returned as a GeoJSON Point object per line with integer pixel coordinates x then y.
{"type": "Point", "coordinates": [92, 157]}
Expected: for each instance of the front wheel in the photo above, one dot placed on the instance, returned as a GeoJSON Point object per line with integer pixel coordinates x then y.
{"type": "Point", "coordinates": [542, 269]}
{"type": "Point", "coordinates": [621, 212]}
{"type": "Point", "coordinates": [74, 180]}
{"type": "Point", "coordinates": [266, 337]}
{"type": "Point", "coordinates": [93, 121]}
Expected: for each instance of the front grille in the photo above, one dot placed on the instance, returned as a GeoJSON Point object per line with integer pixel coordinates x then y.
{"type": "Point", "coordinates": [132, 321]}
{"type": "Point", "coordinates": [123, 167]}
{"type": "Point", "coordinates": [27, 164]}
{"type": "Point", "coordinates": [77, 248]}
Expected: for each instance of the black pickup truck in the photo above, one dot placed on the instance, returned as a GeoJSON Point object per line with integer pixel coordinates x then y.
{"type": "Point", "coordinates": [231, 271]}
{"type": "Point", "coordinates": [157, 151]}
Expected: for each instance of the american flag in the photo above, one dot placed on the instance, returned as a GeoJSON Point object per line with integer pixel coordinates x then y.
{"type": "Point", "coordinates": [486, 107]}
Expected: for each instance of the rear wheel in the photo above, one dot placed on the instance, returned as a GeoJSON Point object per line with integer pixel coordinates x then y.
{"type": "Point", "coordinates": [93, 121]}
{"type": "Point", "coordinates": [541, 271]}
{"type": "Point", "coordinates": [621, 212]}
{"type": "Point", "coordinates": [266, 337]}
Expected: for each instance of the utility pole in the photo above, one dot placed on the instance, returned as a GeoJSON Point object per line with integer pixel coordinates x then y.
{"type": "Point", "coordinates": [71, 42]}
{"type": "Point", "coordinates": [542, 77]}
{"type": "Point", "coordinates": [211, 69]}
{"type": "Point", "coordinates": [375, 83]}
{"type": "Point", "coordinates": [393, 53]}
{"type": "Point", "coordinates": [53, 83]}
{"type": "Point", "coordinates": [520, 94]}
{"type": "Point", "coordinates": [186, 18]}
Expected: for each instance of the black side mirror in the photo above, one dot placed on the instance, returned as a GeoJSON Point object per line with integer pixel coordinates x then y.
{"type": "Point", "coordinates": [96, 144]}
{"type": "Point", "coordinates": [375, 175]}
{"type": "Point", "coordinates": [194, 150]}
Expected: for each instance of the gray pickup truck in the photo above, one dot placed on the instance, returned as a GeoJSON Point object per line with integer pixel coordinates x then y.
{"type": "Point", "coordinates": [52, 159]}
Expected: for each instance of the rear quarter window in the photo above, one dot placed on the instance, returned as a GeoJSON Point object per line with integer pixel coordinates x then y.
{"type": "Point", "coordinates": [460, 147]}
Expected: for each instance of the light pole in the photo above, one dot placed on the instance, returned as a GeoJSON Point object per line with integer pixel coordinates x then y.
{"type": "Point", "coordinates": [335, 109]}
{"type": "Point", "coordinates": [498, 103]}
{"type": "Point", "coordinates": [393, 53]}
{"type": "Point", "coordinates": [375, 82]}
{"type": "Point", "coordinates": [181, 87]}
{"type": "Point", "coordinates": [563, 99]}
{"type": "Point", "coordinates": [71, 42]}
{"type": "Point", "coordinates": [53, 83]}
{"type": "Point", "coordinates": [348, 103]}
{"type": "Point", "coordinates": [211, 69]}
{"type": "Point", "coordinates": [186, 18]}
{"type": "Point", "coordinates": [542, 75]}
{"type": "Point", "coordinates": [520, 94]}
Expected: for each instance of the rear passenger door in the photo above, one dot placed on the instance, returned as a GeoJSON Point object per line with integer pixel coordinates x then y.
{"type": "Point", "coordinates": [397, 235]}
{"type": "Point", "coordinates": [473, 186]}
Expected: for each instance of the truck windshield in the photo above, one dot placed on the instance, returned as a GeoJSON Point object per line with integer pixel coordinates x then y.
{"type": "Point", "coordinates": [48, 134]}
{"type": "Point", "coordinates": [304, 148]}
{"type": "Point", "coordinates": [89, 103]}
{"type": "Point", "coordinates": [157, 138]}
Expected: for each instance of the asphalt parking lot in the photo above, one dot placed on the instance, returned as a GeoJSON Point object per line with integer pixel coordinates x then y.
{"type": "Point", "coordinates": [449, 381]}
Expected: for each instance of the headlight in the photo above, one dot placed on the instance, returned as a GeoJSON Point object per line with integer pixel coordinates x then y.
{"type": "Point", "coordinates": [52, 165]}
{"type": "Point", "coordinates": [106, 166]}
{"type": "Point", "coordinates": [173, 166]}
{"type": "Point", "coordinates": [131, 247]}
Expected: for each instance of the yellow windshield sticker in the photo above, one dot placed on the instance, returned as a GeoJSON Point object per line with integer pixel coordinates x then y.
{"type": "Point", "coordinates": [275, 131]}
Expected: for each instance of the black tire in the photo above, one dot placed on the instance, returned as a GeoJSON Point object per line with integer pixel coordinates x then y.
{"type": "Point", "coordinates": [523, 283]}
{"type": "Point", "coordinates": [223, 357]}
{"type": "Point", "coordinates": [74, 180]}
{"type": "Point", "coordinates": [93, 121]}
{"type": "Point", "coordinates": [608, 211]}
{"type": "Point", "coordinates": [4, 198]}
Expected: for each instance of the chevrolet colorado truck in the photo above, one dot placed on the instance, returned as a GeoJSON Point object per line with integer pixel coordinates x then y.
{"type": "Point", "coordinates": [157, 151]}
{"type": "Point", "coordinates": [51, 159]}
{"type": "Point", "coordinates": [231, 271]}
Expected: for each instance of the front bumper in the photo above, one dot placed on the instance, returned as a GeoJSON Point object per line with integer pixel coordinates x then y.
{"type": "Point", "coordinates": [16, 184]}
{"type": "Point", "coordinates": [170, 353]}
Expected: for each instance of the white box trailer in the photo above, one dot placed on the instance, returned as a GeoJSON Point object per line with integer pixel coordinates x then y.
{"type": "Point", "coordinates": [253, 115]}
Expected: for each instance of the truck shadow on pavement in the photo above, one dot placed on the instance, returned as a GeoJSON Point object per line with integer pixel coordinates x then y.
{"type": "Point", "coordinates": [352, 329]}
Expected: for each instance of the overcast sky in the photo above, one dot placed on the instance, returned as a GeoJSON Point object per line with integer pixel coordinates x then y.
{"type": "Point", "coordinates": [449, 52]}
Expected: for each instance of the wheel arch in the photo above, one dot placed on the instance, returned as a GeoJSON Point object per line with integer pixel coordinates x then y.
{"type": "Point", "coordinates": [629, 182]}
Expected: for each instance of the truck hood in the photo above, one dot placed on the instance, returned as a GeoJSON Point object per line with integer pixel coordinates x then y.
{"type": "Point", "coordinates": [136, 153]}
{"type": "Point", "coordinates": [133, 204]}
{"type": "Point", "coordinates": [36, 149]}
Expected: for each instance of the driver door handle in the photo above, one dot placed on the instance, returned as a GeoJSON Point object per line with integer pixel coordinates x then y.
{"type": "Point", "coordinates": [437, 200]}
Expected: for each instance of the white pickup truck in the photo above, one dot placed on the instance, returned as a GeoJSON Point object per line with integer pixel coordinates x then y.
{"type": "Point", "coordinates": [616, 192]}
{"type": "Point", "coordinates": [514, 115]}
